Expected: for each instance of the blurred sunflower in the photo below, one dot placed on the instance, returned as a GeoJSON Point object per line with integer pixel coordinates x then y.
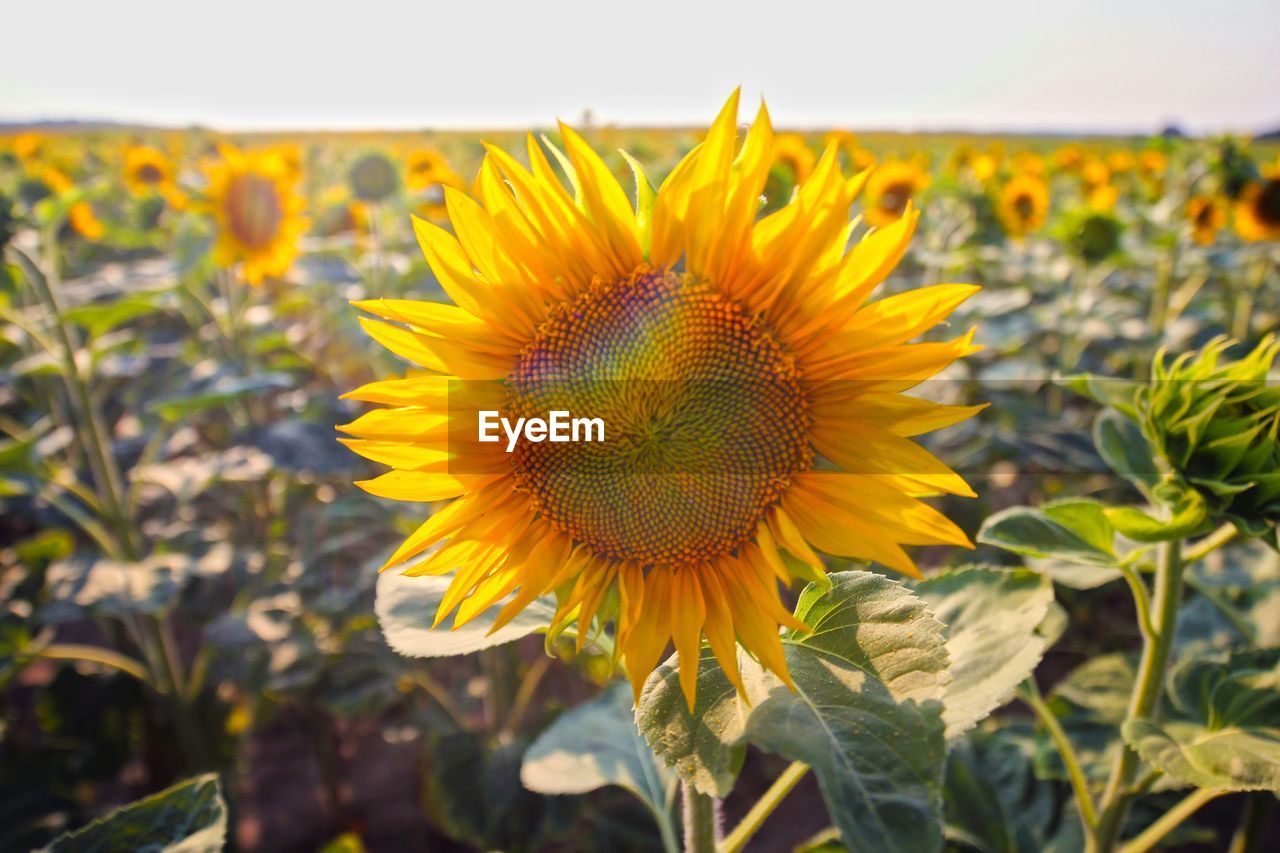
{"type": "Point", "coordinates": [1029, 163]}
{"type": "Point", "coordinates": [258, 214]}
{"type": "Point", "coordinates": [1102, 198]}
{"type": "Point", "coordinates": [1152, 164]}
{"type": "Point", "coordinates": [1258, 208]}
{"type": "Point", "coordinates": [428, 168]}
{"type": "Point", "coordinates": [149, 171]}
{"type": "Point", "coordinates": [1068, 158]}
{"type": "Point", "coordinates": [1120, 162]}
{"type": "Point", "coordinates": [1094, 173]}
{"type": "Point", "coordinates": [890, 189]}
{"type": "Point", "coordinates": [1207, 215]}
{"type": "Point", "coordinates": [1023, 205]}
{"type": "Point", "coordinates": [857, 157]}
{"type": "Point", "coordinates": [80, 217]}
{"type": "Point", "coordinates": [725, 354]}
{"type": "Point", "coordinates": [29, 146]}
{"type": "Point", "coordinates": [427, 173]}
{"type": "Point", "coordinates": [792, 152]}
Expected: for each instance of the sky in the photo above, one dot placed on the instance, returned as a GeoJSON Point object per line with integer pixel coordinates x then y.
{"type": "Point", "coordinates": [1070, 65]}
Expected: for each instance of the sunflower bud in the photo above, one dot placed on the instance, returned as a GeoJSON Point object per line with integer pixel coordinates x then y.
{"type": "Point", "coordinates": [1215, 431]}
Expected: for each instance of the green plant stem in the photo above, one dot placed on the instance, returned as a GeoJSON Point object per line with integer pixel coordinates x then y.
{"type": "Point", "coordinates": [98, 655]}
{"type": "Point", "coordinates": [764, 807]}
{"type": "Point", "coordinates": [1170, 820]}
{"type": "Point", "coordinates": [1165, 274]}
{"type": "Point", "coordinates": [1209, 544]}
{"type": "Point", "coordinates": [1141, 599]}
{"type": "Point", "coordinates": [93, 433]}
{"type": "Point", "coordinates": [1030, 694]}
{"type": "Point", "coordinates": [1147, 690]}
{"type": "Point", "coordinates": [699, 820]}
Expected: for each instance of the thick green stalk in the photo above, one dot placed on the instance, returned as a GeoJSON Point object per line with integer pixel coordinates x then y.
{"type": "Point", "coordinates": [764, 807]}
{"type": "Point", "coordinates": [1147, 690]}
{"type": "Point", "coordinates": [700, 821]}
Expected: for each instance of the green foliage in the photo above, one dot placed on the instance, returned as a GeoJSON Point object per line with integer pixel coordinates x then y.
{"type": "Point", "coordinates": [597, 744]}
{"type": "Point", "coordinates": [190, 817]}
{"type": "Point", "coordinates": [866, 713]}
{"type": "Point", "coordinates": [1226, 735]}
{"type": "Point", "coordinates": [994, 642]}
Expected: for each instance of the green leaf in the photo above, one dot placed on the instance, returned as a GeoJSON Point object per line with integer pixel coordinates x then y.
{"type": "Point", "coordinates": [993, 638]}
{"type": "Point", "coordinates": [594, 745]}
{"type": "Point", "coordinates": [101, 317]}
{"type": "Point", "coordinates": [216, 393]}
{"type": "Point", "coordinates": [995, 802]}
{"type": "Point", "coordinates": [866, 713]}
{"type": "Point", "coordinates": [406, 607]}
{"type": "Point", "coordinates": [1125, 449]}
{"type": "Point", "coordinates": [1075, 530]}
{"type": "Point", "coordinates": [1229, 736]}
{"type": "Point", "coordinates": [191, 816]}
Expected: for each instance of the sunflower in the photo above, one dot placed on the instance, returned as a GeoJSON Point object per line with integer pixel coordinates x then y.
{"type": "Point", "coordinates": [1023, 205]}
{"type": "Point", "coordinates": [1258, 208]}
{"type": "Point", "coordinates": [252, 201]}
{"type": "Point", "coordinates": [1153, 164]}
{"type": "Point", "coordinates": [1207, 215]}
{"type": "Point", "coordinates": [427, 168]}
{"type": "Point", "coordinates": [149, 170]}
{"type": "Point", "coordinates": [752, 398]}
{"type": "Point", "coordinates": [791, 152]}
{"type": "Point", "coordinates": [890, 190]}
{"type": "Point", "coordinates": [428, 173]}
{"type": "Point", "coordinates": [81, 218]}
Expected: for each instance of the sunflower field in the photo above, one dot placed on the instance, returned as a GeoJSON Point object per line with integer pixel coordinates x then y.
{"type": "Point", "coordinates": [934, 505]}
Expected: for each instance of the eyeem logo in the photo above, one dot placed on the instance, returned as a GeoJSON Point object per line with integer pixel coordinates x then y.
{"type": "Point", "coordinates": [557, 427]}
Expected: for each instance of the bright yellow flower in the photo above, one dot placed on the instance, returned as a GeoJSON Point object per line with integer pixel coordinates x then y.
{"type": "Point", "coordinates": [29, 146]}
{"type": "Point", "coordinates": [1023, 205]}
{"type": "Point", "coordinates": [428, 168]}
{"type": "Point", "coordinates": [1120, 162]}
{"type": "Point", "coordinates": [258, 215]}
{"type": "Point", "coordinates": [726, 356]}
{"type": "Point", "coordinates": [80, 218]}
{"type": "Point", "coordinates": [983, 167]}
{"type": "Point", "coordinates": [890, 189]}
{"type": "Point", "coordinates": [1207, 215]}
{"type": "Point", "coordinates": [428, 173]}
{"type": "Point", "coordinates": [1094, 173]}
{"type": "Point", "coordinates": [1258, 208]}
{"type": "Point", "coordinates": [1102, 198]}
{"type": "Point", "coordinates": [1029, 163]}
{"type": "Point", "coordinates": [149, 170]}
{"type": "Point", "coordinates": [1068, 158]}
{"type": "Point", "coordinates": [794, 154]}
{"type": "Point", "coordinates": [1152, 163]}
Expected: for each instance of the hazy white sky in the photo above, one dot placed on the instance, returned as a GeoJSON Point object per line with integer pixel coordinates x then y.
{"type": "Point", "coordinates": [982, 64]}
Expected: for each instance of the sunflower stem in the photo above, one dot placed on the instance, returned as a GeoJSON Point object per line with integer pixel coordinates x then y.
{"type": "Point", "coordinates": [701, 819]}
{"type": "Point", "coordinates": [1170, 820]}
{"type": "Point", "coordinates": [1030, 694]}
{"type": "Point", "coordinates": [1147, 690]}
{"type": "Point", "coordinates": [764, 807]}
